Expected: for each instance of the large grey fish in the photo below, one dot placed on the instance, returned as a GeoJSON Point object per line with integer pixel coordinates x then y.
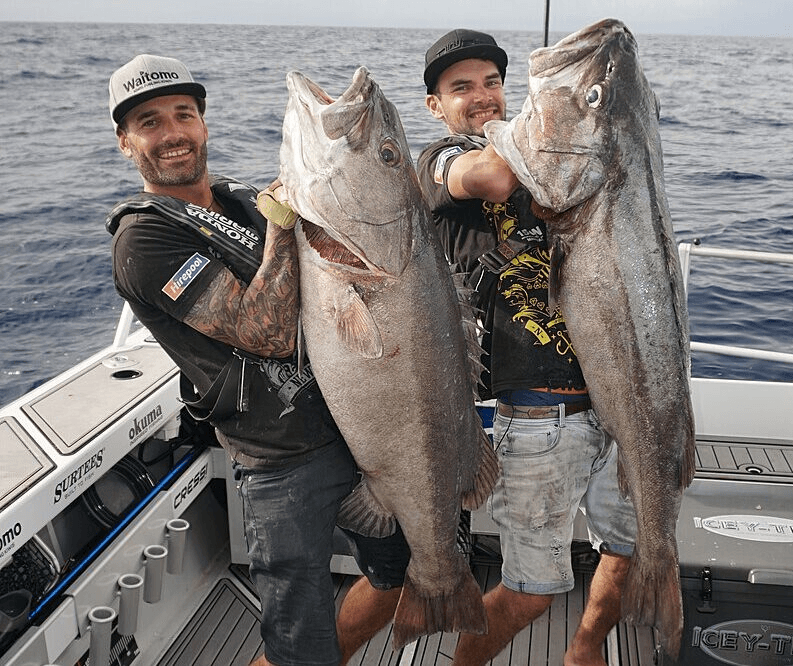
{"type": "Point", "coordinates": [587, 146]}
{"type": "Point", "coordinates": [385, 334]}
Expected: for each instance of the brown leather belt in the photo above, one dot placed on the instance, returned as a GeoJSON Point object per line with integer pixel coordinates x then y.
{"type": "Point", "coordinates": [541, 411]}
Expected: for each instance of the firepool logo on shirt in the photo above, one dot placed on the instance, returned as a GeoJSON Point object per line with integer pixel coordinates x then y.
{"type": "Point", "coordinates": [184, 276]}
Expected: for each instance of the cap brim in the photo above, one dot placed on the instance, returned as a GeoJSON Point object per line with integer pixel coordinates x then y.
{"type": "Point", "coordinates": [191, 88]}
{"type": "Point", "coordinates": [490, 52]}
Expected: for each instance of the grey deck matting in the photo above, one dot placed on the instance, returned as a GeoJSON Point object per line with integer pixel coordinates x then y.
{"type": "Point", "coordinates": [225, 632]}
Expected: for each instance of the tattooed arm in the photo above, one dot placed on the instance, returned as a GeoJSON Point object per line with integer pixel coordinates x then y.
{"type": "Point", "coordinates": [260, 318]}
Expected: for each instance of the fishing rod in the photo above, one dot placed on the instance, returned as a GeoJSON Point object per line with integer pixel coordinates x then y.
{"type": "Point", "coordinates": [547, 13]}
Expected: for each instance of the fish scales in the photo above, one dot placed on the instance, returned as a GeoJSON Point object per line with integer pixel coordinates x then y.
{"type": "Point", "coordinates": [587, 146]}
{"type": "Point", "coordinates": [384, 331]}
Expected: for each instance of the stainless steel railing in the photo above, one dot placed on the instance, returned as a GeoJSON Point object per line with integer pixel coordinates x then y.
{"type": "Point", "coordinates": [686, 250]}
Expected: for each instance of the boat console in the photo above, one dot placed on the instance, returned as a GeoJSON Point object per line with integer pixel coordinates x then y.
{"type": "Point", "coordinates": [83, 457]}
{"type": "Point", "coordinates": [58, 441]}
{"type": "Point", "coordinates": [118, 515]}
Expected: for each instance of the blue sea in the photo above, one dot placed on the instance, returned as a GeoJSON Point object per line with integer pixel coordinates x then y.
{"type": "Point", "coordinates": [726, 126]}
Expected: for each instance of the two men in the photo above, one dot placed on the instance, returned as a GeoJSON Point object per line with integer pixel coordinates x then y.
{"type": "Point", "coordinates": [218, 311]}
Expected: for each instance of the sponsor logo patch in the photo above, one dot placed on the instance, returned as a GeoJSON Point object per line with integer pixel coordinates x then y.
{"type": "Point", "coordinates": [190, 269]}
{"type": "Point", "coordinates": [148, 79]}
{"type": "Point", "coordinates": [749, 528]}
{"type": "Point", "coordinates": [750, 642]}
{"type": "Point", "coordinates": [440, 164]}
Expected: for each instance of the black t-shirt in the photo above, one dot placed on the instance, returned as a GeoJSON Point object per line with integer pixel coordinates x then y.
{"type": "Point", "coordinates": [527, 345]}
{"type": "Point", "coordinates": [162, 267]}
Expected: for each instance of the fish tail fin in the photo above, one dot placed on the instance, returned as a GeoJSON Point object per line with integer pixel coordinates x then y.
{"type": "Point", "coordinates": [485, 477]}
{"type": "Point", "coordinates": [458, 610]}
{"type": "Point", "coordinates": [652, 597]}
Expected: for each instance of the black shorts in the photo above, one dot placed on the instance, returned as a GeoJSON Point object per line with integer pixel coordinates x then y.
{"type": "Point", "coordinates": [382, 560]}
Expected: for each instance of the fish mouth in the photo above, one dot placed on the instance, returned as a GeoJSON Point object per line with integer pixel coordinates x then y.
{"type": "Point", "coordinates": [564, 125]}
{"type": "Point", "coordinates": [323, 182]}
{"type": "Point", "coordinates": [579, 46]}
{"type": "Point", "coordinates": [539, 167]}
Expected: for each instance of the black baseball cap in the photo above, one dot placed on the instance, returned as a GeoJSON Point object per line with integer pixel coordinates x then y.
{"type": "Point", "coordinates": [457, 45]}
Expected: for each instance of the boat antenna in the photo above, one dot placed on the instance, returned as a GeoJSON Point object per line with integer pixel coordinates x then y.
{"type": "Point", "coordinates": [547, 12]}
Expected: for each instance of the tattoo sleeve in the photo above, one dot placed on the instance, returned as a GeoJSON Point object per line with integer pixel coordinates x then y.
{"type": "Point", "coordinates": [262, 317]}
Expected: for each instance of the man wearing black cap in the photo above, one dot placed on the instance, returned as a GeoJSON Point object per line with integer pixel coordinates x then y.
{"type": "Point", "coordinates": [553, 455]}
{"type": "Point", "coordinates": [214, 278]}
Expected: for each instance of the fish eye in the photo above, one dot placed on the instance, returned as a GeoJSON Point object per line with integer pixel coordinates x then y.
{"type": "Point", "coordinates": [389, 153]}
{"type": "Point", "coordinates": [594, 96]}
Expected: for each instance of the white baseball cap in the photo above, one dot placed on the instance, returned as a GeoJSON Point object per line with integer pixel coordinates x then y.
{"type": "Point", "coordinates": [146, 77]}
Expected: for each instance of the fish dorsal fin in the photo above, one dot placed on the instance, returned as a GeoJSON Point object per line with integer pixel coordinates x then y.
{"type": "Point", "coordinates": [355, 325]}
{"type": "Point", "coordinates": [472, 331]}
{"type": "Point", "coordinates": [361, 512]}
{"type": "Point", "coordinates": [487, 465]}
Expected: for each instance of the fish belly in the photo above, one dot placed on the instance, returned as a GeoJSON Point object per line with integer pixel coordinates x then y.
{"type": "Point", "coordinates": [409, 419]}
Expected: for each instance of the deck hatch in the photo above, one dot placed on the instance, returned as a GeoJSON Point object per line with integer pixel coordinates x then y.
{"type": "Point", "coordinates": [744, 461]}
{"type": "Point", "coordinates": [99, 396]}
{"type": "Point", "coordinates": [22, 462]}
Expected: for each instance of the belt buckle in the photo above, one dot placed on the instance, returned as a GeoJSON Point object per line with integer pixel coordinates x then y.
{"type": "Point", "coordinates": [499, 258]}
{"type": "Point", "coordinates": [542, 412]}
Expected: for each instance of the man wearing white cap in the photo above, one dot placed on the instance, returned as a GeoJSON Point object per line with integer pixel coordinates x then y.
{"type": "Point", "coordinates": [209, 265]}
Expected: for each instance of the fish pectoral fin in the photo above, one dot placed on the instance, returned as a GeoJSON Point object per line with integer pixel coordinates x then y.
{"type": "Point", "coordinates": [622, 475]}
{"type": "Point", "coordinates": [355, 325]}
{"type": "Point", "coordinates": [362, 512]}
{"type": "Point", "coordinates": [557, 258]}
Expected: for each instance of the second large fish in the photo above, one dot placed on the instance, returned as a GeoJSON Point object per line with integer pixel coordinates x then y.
{"type": "Point", "coordinates": [587, 146]}
{"type": "Point", "coordinates": [385, 336]}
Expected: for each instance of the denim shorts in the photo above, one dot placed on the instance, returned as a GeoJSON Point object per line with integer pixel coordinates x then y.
{"type": "Point", "coordinates": [549, 468]}
{"type": "Point", "coordinates": [290, 514]}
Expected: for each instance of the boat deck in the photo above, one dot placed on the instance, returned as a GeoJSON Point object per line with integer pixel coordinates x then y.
{"type": "Point", "coordinates": [225, 629]}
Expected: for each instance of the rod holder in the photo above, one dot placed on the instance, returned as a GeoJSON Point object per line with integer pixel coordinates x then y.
{"type": "Point", "coordinates": [101, 621]}
{"type": "Point", "coordinates": [14, 610]}
{"type": "Point", "coordinates": [176, 533]}
{"type": "Point", "coordinates": [155, 566]}
{"type": "Point", "coordinates": [129, 586]}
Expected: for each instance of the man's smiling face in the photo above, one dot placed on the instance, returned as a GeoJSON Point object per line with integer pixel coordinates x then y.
{"type": "Point", "coordinates": [469, 94]}
{"type": "Point", "coordinates": [166, 138]}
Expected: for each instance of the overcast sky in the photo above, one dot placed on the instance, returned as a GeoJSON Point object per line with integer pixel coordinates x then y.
{"type": "Point", "coordinates": [697, 17]}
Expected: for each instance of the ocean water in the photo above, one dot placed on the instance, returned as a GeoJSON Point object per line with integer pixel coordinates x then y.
{"type": "Point", "coordinates": [726, 126]}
